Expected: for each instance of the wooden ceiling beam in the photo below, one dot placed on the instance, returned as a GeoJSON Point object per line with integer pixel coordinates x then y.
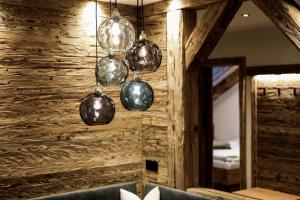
{"type": "Point", "coordinates": [285, 15]}
{"type": "Point", "coordinates": [226, 84]}
{"type": "Point", "coordinates": [206, 34]}
{"type": "Point", "coordinates": [169, 5]}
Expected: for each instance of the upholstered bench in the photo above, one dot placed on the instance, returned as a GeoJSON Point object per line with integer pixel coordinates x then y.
{"type": "Point", "coordinates": [112, 192]}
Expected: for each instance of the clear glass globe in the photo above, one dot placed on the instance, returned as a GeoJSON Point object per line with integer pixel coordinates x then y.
{"type": "Point", "coordinates": [144, 56]}
{"type": "Point", "coordinates": [97, 109]}
{"type": "Point", "coordinates": [116, 34]}
{"type": "Point", "coordinates": [111, 70]}
{"type": "Point", "coordinates": [137, 95]}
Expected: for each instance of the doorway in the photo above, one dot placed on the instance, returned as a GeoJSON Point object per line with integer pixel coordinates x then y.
{"type": "Point", "coordinates": [210, 175]}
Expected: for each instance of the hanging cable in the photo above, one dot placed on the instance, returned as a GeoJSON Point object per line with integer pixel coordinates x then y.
{"type": "Point", "coordinates": [96, 15]}
{"type": "Point", "coordinates": [142, 15]}
{"type": "Point", "coordinates": [116, 6]}
{"type": "Point", "coordinates": [137, 17]}
{"type": "Point", "coordinates": [110, 8]}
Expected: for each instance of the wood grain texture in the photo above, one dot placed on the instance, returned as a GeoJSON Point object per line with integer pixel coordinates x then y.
{"type": "Point", "coordinates": [277, 140]}
{"type": "Point", "coordinates": [285, 16]}
{"type": "Point", "coordinates": [179, 26]}
{"type": "Point", "coordinates": [171, 5]}
{"type": "Point", "coordinates": [272, 69]}
{"type": "Point", "coordinates": [155, 144]}
{"type": "Point", "coordinates": [216, 194]}
{"type": "Point", "coordinates": [47, 64]}
{"type": "Point", "coordinates": [176, 87]}
{"type": "Point", "coordinates": [265, 194]}
{"type": "Point", "coordinates": [207, 33]}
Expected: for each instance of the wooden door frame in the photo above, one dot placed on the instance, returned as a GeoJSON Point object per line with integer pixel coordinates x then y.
{"type": "Point", "coordinates": [241, 62]}
{"type": "Point", "coordinates": [252, 72]}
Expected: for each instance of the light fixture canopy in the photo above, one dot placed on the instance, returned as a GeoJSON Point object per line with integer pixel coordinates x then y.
{"type": "Point", "coordinates": [137, 95]}
{"type": "Point", "coordinates": [111, 70]}
{"type": "Point", "coordinates": [116, 34]}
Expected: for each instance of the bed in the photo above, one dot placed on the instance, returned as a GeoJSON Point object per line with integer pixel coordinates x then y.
{"type": "Point", "coordinates": [226, 162]}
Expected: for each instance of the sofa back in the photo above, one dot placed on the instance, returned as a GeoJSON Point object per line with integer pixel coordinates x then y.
{"type": "Point", "coordinates": [167, 193]}
{"type": "Point", "coordinates": [111, 192]}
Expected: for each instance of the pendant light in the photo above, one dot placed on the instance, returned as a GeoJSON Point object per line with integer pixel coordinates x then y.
{"type": "Point", "coordinates": [144, 56]}
{"type": "Point", "coordinates": [111, 70]}
{"type": "Point", "coordinates": [137, 95]}
{"type": "Point", "coordinates": [116, 34]}
{"type": "Point", "coordinates": [97, 108]}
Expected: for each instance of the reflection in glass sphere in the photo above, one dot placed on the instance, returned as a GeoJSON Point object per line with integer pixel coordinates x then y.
{"type": "Point", "coordinates": [144, 56]}
{"type": "Point", "coordinates": [97, 109]}
{"type": "Point", "coordinates": [116, 34]}
{"type": "Point", "coordinates": [137, 95]}
{"type": "Point", "coordinates": [111, 70]}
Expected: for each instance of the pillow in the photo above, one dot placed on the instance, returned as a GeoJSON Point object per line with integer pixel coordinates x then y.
{"type": "Point", "coordinates": [154, 194]}
{"type": "Point", "coordinates": [234, 144]}
{"type": "Point", "coordinates": [220, 145]}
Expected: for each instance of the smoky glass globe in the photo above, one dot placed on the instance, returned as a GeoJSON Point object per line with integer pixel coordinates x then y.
{"type": "Point", "coordinates": [116, 34]}
{"type": "Point", "coordinates": [97, 109]}
{"type": "Point", "coordinates": [111, 70]}
{"type": "Point", "coordinates": [137, 95]}
{"type": "Point", "coordinates": [144, 56]}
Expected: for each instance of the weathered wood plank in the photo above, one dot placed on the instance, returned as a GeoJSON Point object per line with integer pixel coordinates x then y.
{"type": "Point", "coordinates": [47, 63]}
{"type": "Point", "coordinates": [175, 75]}
{"type": "Point", "coordinates": [171, 5]}
{"type": "Point", "coordinates": [277, 142]}
{"type": "Point", "coordinates": [278, 69]}
{"type": "Point", "coordinates": [155, 121]}
{"type": "Point", "coordinates": [207, 33]}
{"type": "Point", "coordinates": [78, 179]}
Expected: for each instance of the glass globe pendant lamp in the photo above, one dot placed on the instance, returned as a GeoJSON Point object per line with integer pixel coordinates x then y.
{"type": "Point", "coordinates": [144, 56]}
{"type": "Point", "coordinates": [137, 95]}
{"type": "Point", "coordinates": [97, 109]}
{"type": "Point", "coordinates": [111, 70]}
{"type": "Point", "coordinates": [116, 34]}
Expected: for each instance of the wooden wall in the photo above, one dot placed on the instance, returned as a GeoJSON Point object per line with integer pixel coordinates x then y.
{"type": "Point", "coordinates": [155, 121]}
{"type": "Point", "coordinates": [276, 145]}
{"type": "Point", "coordinates": [46, 68]}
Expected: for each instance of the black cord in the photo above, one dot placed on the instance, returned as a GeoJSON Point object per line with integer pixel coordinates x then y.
{"type": "Point", "coordinates": [116, 4]}
{"type": "Point", "coordinates": [137, 17]}
{"type": "Point", "coordinates": [110, 8]}
{"type": "Point", "coordinates": [96, 13]}
{"type": "Point", "coordinates": [142, 15]}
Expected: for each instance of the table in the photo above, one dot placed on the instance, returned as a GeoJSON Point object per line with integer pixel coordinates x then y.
{"type": "Point", "coordinates": [265, 194]}
{"type": "Point", "coordinates": [217, 194]}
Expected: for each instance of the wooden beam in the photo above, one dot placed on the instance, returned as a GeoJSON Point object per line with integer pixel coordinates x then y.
{"type": "Point", "coordinates": [285, 15]}
{"type": "Point", "coordinates": [207, 33]}
{"type": "Point", "coordinates": [226, 84]}
{"type": "Point", "coordinates": [242, 102]}
{"type": "Point", "coordinates": [224, 62]}
{"type": "Point", "coordinates": [171, 5]}
{"type": "Point", "coordinates": [273, 69]}
{"type": "Point", "coordinates": [179, 26]}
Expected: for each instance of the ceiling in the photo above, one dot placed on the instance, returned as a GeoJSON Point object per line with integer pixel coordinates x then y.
{"type": "Point", "coordinates": [133, 2]}
{"type": "Point", "coordinates": [256, 20]}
